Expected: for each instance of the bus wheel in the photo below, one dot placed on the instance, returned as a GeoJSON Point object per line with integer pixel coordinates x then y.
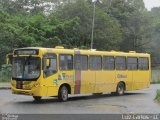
{"type": "Point", "coordinates": [97, 94]}
{"type": "Point", "coordinates": [63, 94]}
{"type": "Point", "coordinates": [37, 98]}
{"type": "Point", "coordinates": [120, 89]}
{"type": "Point", "coordinates": [113, 93]}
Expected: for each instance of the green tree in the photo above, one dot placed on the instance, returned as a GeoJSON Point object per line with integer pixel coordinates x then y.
{"type": "Point", "coordinates": [107, 30]}
{"type": "Point", "coordinates": [131, 16]}
{"type": "Point", "coordinates": [119, 25]}
{"type": "Point", "coordinates": [154, 16]}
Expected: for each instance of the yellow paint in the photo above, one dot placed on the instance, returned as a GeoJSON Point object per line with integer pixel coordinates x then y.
{"type": "Point", "coordinates": [91, 81]}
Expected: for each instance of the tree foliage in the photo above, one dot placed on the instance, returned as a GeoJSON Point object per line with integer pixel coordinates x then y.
{"type": "Point", "coordinates": [119, 25]}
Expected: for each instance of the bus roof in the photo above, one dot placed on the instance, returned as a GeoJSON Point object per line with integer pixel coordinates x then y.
{"type": "Point", "coordinates": [88, 52]}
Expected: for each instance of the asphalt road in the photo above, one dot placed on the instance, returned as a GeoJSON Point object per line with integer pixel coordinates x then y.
{"type": "Point", "coordinates": [132, 102]}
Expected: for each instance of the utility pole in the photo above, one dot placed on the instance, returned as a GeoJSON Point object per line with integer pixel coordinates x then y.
{"type": "Point", "coordinates": [94, 10]}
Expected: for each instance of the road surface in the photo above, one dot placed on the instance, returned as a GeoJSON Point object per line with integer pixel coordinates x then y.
{"type": "Point", "coordinates": [132, 102]}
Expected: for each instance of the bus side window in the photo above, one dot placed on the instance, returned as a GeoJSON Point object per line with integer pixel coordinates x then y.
{"type": "Point", "coordinates": [108, 63]}
{"type": "Point", "coordinates": [95, 62]}
{"type": "Point", "coordinates": [52, 68]}
{"type": "Point", "coordinates": [132, 63]}
{"type": "Point", "coordinates": [77, 62]}
{"type": "Point", "coordinates": [81, 62]}
{"type": "Point", "coordinates": [143, 64]}
{"type": "Point", "coordinates": [84, 62]}
{"type": "Point", "coordinates": [66, 62]}
{"type": "Point", "coordinates": [120, 63]}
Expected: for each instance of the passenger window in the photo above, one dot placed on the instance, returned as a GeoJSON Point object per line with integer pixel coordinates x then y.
{"type": "Point", "coordinates": [143, 64]}
{"type": "Point", "coordinates": [84, 61]}
{"type": "Point", "coordinates": [66, 62]}
{"type": "Point", "coordinates": [132, 63]}
{"type": "Point", "coordinates": [81, 62]}
{"type": "Point", "coordinates": [120, 63]}
{"type": "Point", "coordinates": [52, 68]}
{"type": "Point", "coordinates": [108, 63]}
{"type": "Point", "coordinates": [95, 62]}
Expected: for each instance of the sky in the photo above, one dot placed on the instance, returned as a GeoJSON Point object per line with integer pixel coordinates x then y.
{"type": "Point", "coordinates": [151, 3]}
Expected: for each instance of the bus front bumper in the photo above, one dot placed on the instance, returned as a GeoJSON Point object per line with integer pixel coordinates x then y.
{"type": "Point", "coordinates": [36, 91]}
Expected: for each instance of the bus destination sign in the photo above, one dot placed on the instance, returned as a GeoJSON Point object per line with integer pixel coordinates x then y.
{"type": "Point", "coordinates": [26, 52]}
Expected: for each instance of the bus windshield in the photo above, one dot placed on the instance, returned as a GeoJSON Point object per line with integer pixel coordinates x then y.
{"type": "Point", "coordinates": [26, 68]}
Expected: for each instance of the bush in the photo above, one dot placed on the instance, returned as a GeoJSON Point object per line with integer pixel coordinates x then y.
{"type": "Point", "coordinates": [6, 73]}
{"type": "Point", "coordinates": [158, 95]}
{"type": "Point", "coordinates": [155, 76]}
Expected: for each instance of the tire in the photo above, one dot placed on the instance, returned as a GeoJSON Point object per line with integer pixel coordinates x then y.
{"type": "Point", "coordinates": [37, 98]}
{"type": "Point", "coordinates": [113, 93]}
{"type": "Point", "coordinates": [63, 94]}
{"type": "Point", "coordinates": [97, 94]}
{"type": "Point", "coordinates": [120, 89]}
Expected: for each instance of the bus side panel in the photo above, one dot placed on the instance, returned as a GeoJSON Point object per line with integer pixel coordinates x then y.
{"type": "Point", "coordinates": [129, 80]}
{"type": "Point", "coordinates": [83, 82]}
{"type": "Point", "coordinates": [89, 78]}
{"type": "Point", "coordinates": [105, 81]}
{"type": "Point", "coordinates": [126, 77]}
{"type": "Point", "coordinates": [141, 79]}
{"type": "Point", "coordinates": [66, 77]}
{"type": "Point", "coordinates": [49, 82]}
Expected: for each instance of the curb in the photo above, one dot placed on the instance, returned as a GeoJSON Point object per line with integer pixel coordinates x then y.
{"type": "Point", "coordinates": [155, 83]}
{"type": "Point", "coordinates": [5, 85]}
{"type": "Point", "coordinates": [5, 88]}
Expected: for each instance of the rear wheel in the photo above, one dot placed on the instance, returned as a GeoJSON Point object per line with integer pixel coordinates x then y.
{"type": "Point", "coordinates": [120, 89]}
{"type": "Point", "coordinates": [37, 98]}
{"type": "Point", "coordinates": [63, 94]}
{"type": "Point", "coordinates": [97, 94]}
{"type": "Point", "coordinates": [113, 93]}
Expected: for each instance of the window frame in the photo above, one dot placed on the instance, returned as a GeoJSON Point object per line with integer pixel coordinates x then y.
{"type": "Point", "coordinates": [147, 64]}
{"type": "Point", "coordinates": [60, 62]}
{"type": "Point", "coordinates": [125, 63]}
{"type": "Point", "coordinates": [103, 64]}
{"type": "Point", "coordinates": [81, 62]}
{"type": "Point", "coordinates": [137, 63]}
{"type": "Point", "coordinates": [89, 63]}
{"type": "Point", "coordinates": [43, 63]}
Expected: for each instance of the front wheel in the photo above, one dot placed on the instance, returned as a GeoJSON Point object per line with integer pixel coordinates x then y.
{"type": "Point", "coordinates": [37, 98]}
{"type": "Point", "coordinates": [120, 89]}
{"type": "Point", "coordinates": [63, 94]}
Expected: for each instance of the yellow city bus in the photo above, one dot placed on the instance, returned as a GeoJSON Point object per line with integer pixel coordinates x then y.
{"type": "Point", "coordinates": [43, 72]}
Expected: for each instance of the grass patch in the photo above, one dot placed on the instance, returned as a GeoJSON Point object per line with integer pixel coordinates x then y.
{"type": "Point", "coordinates": [5, 73]}
{"type": "Point", "coordinates": [5, 77]}
{"type": "Point", "coordinates": [158, 95]}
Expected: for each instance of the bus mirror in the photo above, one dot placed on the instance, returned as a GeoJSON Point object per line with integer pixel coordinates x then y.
{"type": "Point", "coordinates": [47, 62]}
